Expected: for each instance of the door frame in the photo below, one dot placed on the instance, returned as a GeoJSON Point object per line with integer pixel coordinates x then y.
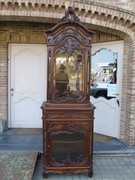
{"type": "Point", "coordinates": [119, 73]}
{"type": "Point", "coordinates": [9, 76]}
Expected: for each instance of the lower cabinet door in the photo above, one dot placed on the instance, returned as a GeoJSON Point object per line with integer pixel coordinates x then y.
{"type": "Point", "coordinates": [68, 143]}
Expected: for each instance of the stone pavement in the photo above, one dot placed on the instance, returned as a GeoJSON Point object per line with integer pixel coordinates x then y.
{"type": "Point", "coordinates": [106, 167]}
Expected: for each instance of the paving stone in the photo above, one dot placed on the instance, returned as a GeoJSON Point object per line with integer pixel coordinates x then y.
{"type": "Point", "coordinates": [107, 167]}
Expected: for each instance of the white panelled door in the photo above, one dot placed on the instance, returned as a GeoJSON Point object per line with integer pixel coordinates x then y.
{"type": "Point", "coordinates": [27, 83]}
{"type": "Point", "coordinates": [106, 82]}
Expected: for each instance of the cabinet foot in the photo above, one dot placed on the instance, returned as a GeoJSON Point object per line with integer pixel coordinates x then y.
{"type": "Point", "coordinates": [90, 173]}
{"type": "Point", "coordinates": [45, 175]}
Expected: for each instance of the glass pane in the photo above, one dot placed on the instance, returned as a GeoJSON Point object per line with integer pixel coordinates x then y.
{"type": "Point", "coordinates": [69, 75]}
{"type": "Point", "coordinates": [64, 144]}
{"type": "Point", "coordinates": [104, 74]}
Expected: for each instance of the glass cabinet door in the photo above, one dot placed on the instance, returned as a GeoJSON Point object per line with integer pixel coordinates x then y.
{"type": "Point", "coordinates": [69, 75]}
{"type": "Point", "coordinates": [68, 144]}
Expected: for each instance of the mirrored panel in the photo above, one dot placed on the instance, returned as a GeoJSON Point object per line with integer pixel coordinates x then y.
{"type": "Point", "coordinates": [69, 75]}
{"type": "Point", "coordinates": [104, 74]}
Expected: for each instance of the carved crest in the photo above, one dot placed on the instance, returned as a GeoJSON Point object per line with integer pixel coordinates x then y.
{"type": "Point", "coordinates": [70, 17]}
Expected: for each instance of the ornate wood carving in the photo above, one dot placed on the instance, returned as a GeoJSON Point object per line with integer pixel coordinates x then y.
{"type": "Point", "coordinates": [67, 127]}
{"type": "Point", "coordinates": [45, 173]}
{"type": "Point", "coordinates": [69, 45]}
{"type": "Point", "coordinates": [67, 97]}
{"type": "Point", "coordinates": [82, 161]}
{"type": "Point", "coordinates": [68, 113]}
{"type": "Point", "coordinates": [66, 32]}
{"type": "Point", "coordinates": [70, 17]}
{"type": "Point", "coordinates": [90, 174]}
{"type": "Point", "coordinates": [80, 37]}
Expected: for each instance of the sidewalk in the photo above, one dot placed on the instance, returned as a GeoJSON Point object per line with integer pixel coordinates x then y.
{"type": "Point", "coordinates": [106, 167]}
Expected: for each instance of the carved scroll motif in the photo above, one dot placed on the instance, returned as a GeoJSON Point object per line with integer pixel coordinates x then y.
{"type": "Point", "coordinates": [67, 97]}
{"type": "Point", "coordinates": [59, 36]}
{"type": "Point", "coordinates": [75, 127]}
{"type": "Point", "coordinates": [80, 37]}
{"type": "Point", "coordinates": [82, 161]}
{"type": "Point", "coordinates": [69, 32]}
{"type": "Point", "coordinates": [69, 45]}
{"type": "Point", "coordinates": [89, 41]}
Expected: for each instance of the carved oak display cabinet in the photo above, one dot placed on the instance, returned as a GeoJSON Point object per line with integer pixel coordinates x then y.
{"type": "Point", "coordinates": [68, 114]}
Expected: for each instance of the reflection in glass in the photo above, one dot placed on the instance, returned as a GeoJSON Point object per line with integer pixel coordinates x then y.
{"type": "Point", "coordinates": [103, 72]}
{"type": "Point", "coordinates": [62, 79]}
{"type": "Point", "coordinates": [69, 74]}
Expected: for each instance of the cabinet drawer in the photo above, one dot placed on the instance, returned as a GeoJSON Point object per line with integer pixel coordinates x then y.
{"type": "Point", "coordinates": [69, 115]}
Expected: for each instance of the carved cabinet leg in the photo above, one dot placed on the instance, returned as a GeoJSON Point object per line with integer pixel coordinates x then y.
{"type": "Point", "coordinates": [45, 173]}
{"type": "Point", "coordinates": [90, 173]}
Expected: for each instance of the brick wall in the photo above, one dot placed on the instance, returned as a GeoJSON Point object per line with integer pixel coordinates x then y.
{"type": "Point", "coordinates": [128, 5]}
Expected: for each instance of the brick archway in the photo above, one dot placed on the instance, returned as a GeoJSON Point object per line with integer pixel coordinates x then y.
{"type": "Point", "coordinates": [96, 16]}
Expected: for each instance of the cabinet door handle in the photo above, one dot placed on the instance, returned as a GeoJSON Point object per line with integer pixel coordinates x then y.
{"type": "Point", "coordinates": [118, 102]}
{"type": "Point", "coordinates": [12, 91]}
